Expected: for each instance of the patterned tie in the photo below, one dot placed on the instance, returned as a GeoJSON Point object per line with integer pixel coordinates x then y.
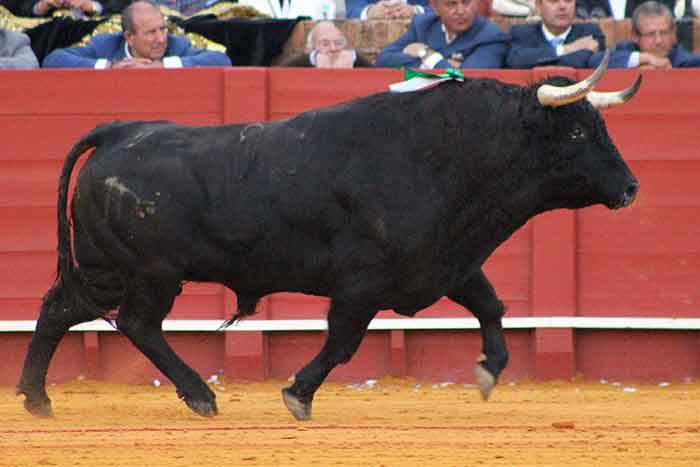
{"type": "Point", "coordinates": [556, 41]}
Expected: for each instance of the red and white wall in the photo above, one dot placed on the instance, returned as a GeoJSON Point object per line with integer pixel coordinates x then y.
{"type": "Point", "coordinates": [594, 293]}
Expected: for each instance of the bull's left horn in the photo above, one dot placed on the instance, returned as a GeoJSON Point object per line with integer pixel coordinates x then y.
{"type": "Point", "coordinates": [602, 100]}
{"type": "Point", "coordinates": [555, 96]}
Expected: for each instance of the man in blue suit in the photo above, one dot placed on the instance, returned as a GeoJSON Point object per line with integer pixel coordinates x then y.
{"type": "Point", "coordinates": [557, 40]}
{"type": "Point", "coordinates": [145, 43]}
{"type": "Point", "coordinates": [454, 36]}
{"type": "Point", "coordinates": [654, 45]}
{"type": "Point", "coordinates": [385, 9]}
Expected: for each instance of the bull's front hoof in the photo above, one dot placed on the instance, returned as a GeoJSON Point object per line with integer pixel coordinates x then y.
{"type": "Point", "coordinates": [301, 410]}
{"type": "Point", "coordinates": [204, 405]}
{"type": "Point", "coordinates": [40, 408]}
{"type": "Point", "coordinates": [203, 408]}
{"type": "Point", "coordinates": [485, 380]}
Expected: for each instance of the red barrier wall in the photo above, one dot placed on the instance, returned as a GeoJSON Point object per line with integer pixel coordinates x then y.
{"type": "Point", "coordinates": [643, 261]}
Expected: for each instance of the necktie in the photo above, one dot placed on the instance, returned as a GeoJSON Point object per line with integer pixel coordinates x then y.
{"type": "Point", "coordinates": [556, 41]}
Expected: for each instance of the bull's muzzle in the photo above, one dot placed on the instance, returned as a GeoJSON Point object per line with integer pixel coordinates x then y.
{"type": "Point", "coordinates": [628, 195]}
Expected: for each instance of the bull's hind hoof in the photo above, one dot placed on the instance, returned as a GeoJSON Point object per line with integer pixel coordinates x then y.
{"type": "Point", "coordinates": [300, 410]}
{"type": "Point", "coordinates": [40, 409]}
{"type": "Point", "coordinates": [485, 380]}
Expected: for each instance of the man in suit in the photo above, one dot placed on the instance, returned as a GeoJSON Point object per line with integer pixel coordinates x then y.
{"type": "Point", "coordinates": [385, 9]}
{"type": "Point", "coordinates": [145, 43]}
{"type": "Point", "coordinates": [654, 45]}
{"type": "Point", "coordinates": [15, 52]}
{"type": "Point", "coordinates": [556, 40]}
{"type": "Point", "coordinates": [454, 36]}
{"type": "Point", "coordinates": [328, 48]}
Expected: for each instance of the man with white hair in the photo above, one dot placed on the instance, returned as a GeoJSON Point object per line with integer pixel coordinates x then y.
{"type": "Point", "coordinates": [328, 47]}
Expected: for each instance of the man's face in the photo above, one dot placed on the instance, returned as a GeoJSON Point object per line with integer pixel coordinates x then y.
{"type": "Point", "coordinates": [328, 39]}
{"type": "Point", "coordinates": [456, 15]}
{"type": "Point", "coordinates": [557, 15]}
{"type": "Point", "coordinates": [149, 39]}
{"type": "Point", "coordinates": [657, 34]}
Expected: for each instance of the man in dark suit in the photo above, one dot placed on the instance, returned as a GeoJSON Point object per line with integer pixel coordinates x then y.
{"type": "Point", "coordinates": [556, 40]}
{"type": "Point", "coordinates": [328, 48]}
{"type": "Point", "coordinates": [145, 43]}
{"type": "Point", "coordinates": [385, 9]}
{"type": "Point", "coordinates": [655, 45]}
{"type": "Point", "coordinates": [454, 36]}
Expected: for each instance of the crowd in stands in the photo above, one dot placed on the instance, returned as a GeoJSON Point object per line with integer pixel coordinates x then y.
{"type": "Point", "coordinates": [441, 34]}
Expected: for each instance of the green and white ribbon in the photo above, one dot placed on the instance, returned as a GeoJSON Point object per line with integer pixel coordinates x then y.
{"type": "Point", "coordinates": [415, 80]}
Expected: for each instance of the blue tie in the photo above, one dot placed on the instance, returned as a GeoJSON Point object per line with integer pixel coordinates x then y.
{"type": "Point", "coordinates": [556, 41]}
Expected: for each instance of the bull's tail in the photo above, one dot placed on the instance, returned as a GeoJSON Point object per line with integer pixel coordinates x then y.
{"type": "Point", "coordinates": [66, 273]}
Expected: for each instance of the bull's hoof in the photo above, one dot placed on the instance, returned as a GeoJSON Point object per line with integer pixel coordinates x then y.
{"type": "Point", "coordinates": [485, 380]}
{"type": "Point", "coordinates": [203, 408]}
{"type": "Point", "coordinates": [40, 408]}
{"type": "Point", "coordinates": [300, 410]}
{"type": "Point", "coordinates": [204, 405]}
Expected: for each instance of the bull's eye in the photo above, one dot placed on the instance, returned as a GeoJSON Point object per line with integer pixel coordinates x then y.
{"type": "Point", "coordinates": [577, 134]}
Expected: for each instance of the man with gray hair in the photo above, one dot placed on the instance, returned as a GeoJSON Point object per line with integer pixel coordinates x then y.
{"type": "Point", "coordinates": [144, 43]}
{"type": "Point", "coordinates": [654, 44]}
{"type": "Point", "coordinates": [327, 47]}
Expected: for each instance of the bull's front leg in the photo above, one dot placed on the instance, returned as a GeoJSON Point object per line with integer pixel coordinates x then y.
{"type": "Point", "coordinates": [478, 295]}
{"type": "Point", "coordinates": [347, 326]}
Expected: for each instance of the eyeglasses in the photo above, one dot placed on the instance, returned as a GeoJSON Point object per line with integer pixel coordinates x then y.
{"type": "Point", "coordinates": [661, 33]}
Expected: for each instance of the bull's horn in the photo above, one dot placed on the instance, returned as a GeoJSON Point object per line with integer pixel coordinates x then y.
{"type": "Point", "coordinates": [602, 100]}
{"type": "Point", "coordinates": [555, 96]}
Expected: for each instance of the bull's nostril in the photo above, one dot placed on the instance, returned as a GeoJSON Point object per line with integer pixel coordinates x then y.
{"type": "Point", "coordinates": [631, 191]}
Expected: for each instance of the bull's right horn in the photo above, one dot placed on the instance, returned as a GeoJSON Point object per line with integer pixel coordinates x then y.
{"type": "Point", "coordinates": [554, 96]}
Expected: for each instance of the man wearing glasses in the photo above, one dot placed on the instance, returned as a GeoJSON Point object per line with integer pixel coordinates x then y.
{"type": "Point", "coordinates": [654, 45]}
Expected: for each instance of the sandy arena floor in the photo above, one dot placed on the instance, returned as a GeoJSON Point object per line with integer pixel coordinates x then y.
{"type": "Point", "coordinates": [390, 423]}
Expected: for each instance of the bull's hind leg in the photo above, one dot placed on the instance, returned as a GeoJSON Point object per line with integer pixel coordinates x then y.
{"type": "Point", "coordinates": [55, 318]}
{"type": "Point", "coordinates": [141, 314]}
{"type": "Point", "coordinates": [347, 326]}
{"type": "Point", "coordinates": [479, 296]}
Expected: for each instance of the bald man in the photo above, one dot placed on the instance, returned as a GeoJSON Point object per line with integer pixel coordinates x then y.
{"type": "Point", "coordinates": [327, 47]}
{"type": "Point", "coordinates": [143, 43]}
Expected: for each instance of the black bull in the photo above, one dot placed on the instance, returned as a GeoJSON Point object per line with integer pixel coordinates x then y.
{"type": "Point", "coordinates": [388, 202]}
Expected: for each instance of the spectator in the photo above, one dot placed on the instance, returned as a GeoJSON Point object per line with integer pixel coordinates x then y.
{"type": "Point", "coordinates": [617, 9]}
{"type": "Point", "coordinates": [79, 8]}
{"type": "Point", "coordinates": [556, 40]}
{"type": "Point", "coordinates": [327, 47]}
{"type": "Point", "coordinates": [314, 9]}
{"type": "Point", "coordinates": [385, 9]}
{"type": "Point", "coordinates": [654, 45]}
{"type": "Point", "coordinates": [15, 52]}
{"type": "Point", "coordinates": [454, 36]}
{"type": "Point", "coordinates": [145, 43]}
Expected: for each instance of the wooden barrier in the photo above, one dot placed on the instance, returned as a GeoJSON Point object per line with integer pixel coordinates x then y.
{"type": "Point", "coordinates": [643, 261]}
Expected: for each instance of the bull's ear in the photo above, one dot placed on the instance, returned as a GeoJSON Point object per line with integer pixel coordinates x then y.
{"type": "Point", "coordinates": [602, 100]}
{"type": "Point", "coordinates": [554, 96]}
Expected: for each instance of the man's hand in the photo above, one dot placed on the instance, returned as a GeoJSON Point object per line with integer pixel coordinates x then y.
{"type": "Point", "coordinates": [413, 48]}
{"type": "Point", "coordinates": [343, 59]}
{"type": "Point", "coordinates": [137, 63]}
{"type": "Point", "coordinates": [42, 7]}
{"type": "Point", "coordinates": [390, 9]}
{"type": "Point", "coordinates": [401, 11]}
{"type": "Point", "coordinates": [87, 6]}
{"type": "Point", "coordinates": [653, 62]}
{"type": "Point", "coordinates": [582, 43]}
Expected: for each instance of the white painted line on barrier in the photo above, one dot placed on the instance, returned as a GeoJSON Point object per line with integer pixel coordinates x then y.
{"type": "Point", "coordinates": [386, 324]}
